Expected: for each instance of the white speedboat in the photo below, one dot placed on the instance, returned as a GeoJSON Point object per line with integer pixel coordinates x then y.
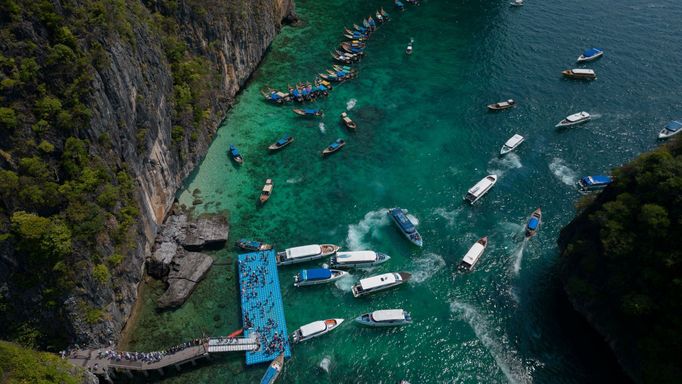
{"type": "Point", "coordinates": [472, 256]}
{"type": "Point", "coordinates": [671, 129]}
{"type": "Point", "coordinates": [305, 253]}
{"type": "Point", "coordinates": [408, 50]}
{"type": "Point", "coordinates": [317, 276]}
{"type": "Point", "coordinates": [480, 189]}
{"type": "Point", "coordinates": [406, 225]}
{"type": "Point", "coordinates": [357, 259]}
{"type": "Point", "coordinates": [511, 144]}
{"type": "Point", "coordinates": [516, 3]}
{"type": "Point", "coordinates": [591, 54]}
{"type": "Point", "coordinates": [576, 118]}
{"type": "Point", "coordinates": [580, 73]}
{"type": "Point", "coordinates": [379, 283]}
{"type": "Point", "coordinates": [385, 318]}
{"type": "Point", "coordinates": [314, 329]}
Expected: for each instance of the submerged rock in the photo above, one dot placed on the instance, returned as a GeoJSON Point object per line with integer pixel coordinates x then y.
{"type": "Point", "coordinates": [185, 273]}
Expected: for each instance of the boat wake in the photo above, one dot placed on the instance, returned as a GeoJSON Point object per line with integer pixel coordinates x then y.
{"type": "Point", "coordinates": [295, 180]}
{"type": "Point", "coordinates": [368, 226]}
{"type": "Point", "coordinates": [350, 104]}
{"type": "Point", "coordinates": [506, 360]}
{"type": "Point", "coordinates": [518, 256]}
{"type": "Point", "coordinates": [323, 128]}
{"type": "Point", "coordinates": [325, 363]}
{"type": "Point", "coordinates": [562, 171]}
{"type": "Point", "coordinates": [499, 165]}
{"type": "Point", "coordinates": [427, 266]}
{"type": "Point", "coordinates": [345, 284]}
{"type": "Point", "coordinates": [449, 216]}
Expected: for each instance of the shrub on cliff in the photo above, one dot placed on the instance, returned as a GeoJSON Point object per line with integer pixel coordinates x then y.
{"type": "Point", "coordinates": [19, 365]}
{"type": "Point", "coordinates": [621, 263]}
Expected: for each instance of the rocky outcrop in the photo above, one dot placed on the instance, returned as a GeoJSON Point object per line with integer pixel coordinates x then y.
{"type": "Point", "coordinates": [132, 106]}
{"type": "Point", "coordinates": [186, 271]}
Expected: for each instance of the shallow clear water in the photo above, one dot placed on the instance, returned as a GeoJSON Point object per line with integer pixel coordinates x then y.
{"type": "Point", "coordinates": [424, 138]}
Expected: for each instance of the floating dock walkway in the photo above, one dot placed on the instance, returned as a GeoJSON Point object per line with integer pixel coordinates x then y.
{"type": "Point", "coordinates": [262, 307]}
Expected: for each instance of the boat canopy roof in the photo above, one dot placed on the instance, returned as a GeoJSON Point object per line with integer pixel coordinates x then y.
{"type": "Point", "coordinates": [378, 281]}
{"type": "Point", "coordinates": [316, 274]}
{"type": "Point", "coordinates": [483, 185]}
{"type": "Point", "coordinates": [303, 251]}
{"type": "Point", "coordinates": [577, 116]}
{"type": "Point", "coordinates": [283, 140]}
{"type": "Point", "coordinates": [591, 52]}
{"type": "Point", "coordinates": [673, 126]}
{"type": "Point", "coordinates": [514, 140]}
{"type": "Point", "coordinates": [474, 253]}
{"type": "Point", "coordinates": [234, 150]}
{"type": "Point", "coordinates": [533, 223]}
{"type": "Point", "coordinates": [267, 188]}
{"type": "Point", "coordinates": [402, 220]}
{"type": "Point", "coordinates": [313, 328]}
{"type": "Point", "coordinates": [583, 71]}
{"type": "Point", "coordinates": [595, 180]}
{"type": "Point", "coordinates": [310, 111]}
{"type": "Point", "coordinates": [334, 145]}
{"type": "Point", "coordinates": [355, 257]}
{"type": "Point", "coordinates": [388, 315]}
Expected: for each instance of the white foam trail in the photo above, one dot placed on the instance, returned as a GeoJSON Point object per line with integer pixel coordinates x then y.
{"type": "Point", "coordinates": [518, 256]}
{"type": "Point", "coordinates": [346, 283]}
{"type": "Point", "coordinates": [449, 216]}
{"type": "Point", "coordinates": [367, 226]}
{"type": "Point", "coordinates": [499, 165]}
{"type": "Point", "coordinates": [325, 363]}
{"type": "Point", "coordinates": [323, 128]}
{"type": "Point", "coordinates": [295, 180]}
{"type": "Point", "coordinates": [427, 266]}
{"type": "Point", "coordinates": [509, 364]}
{"type": "Point", "coordinates": [562, 171]}
{"type": "Point", "coordinates": [350, 104]}
{"type": "Point", "coordinates": [413, 219]}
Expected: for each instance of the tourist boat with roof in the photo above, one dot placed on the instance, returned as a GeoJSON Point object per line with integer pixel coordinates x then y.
{"type": "Point", "coordinates": [379, 283]}
{"type": "Point", "coordinates": [253, 245]}
{"type": "Point", "coordinates": [352, 48]}
{"type": "Point", "coordinates": [405, 225]}
{"type": "Point", "coordinates": [473, 255]}
{"type": "Point", "coordinates": [266, 191]}
{"type": "Point", "coordinates": [308, 112]}
{"type": "Point", "coordinates": [534, 223]}
{"type": "Point", "coordinates": [576, 118]}
{"type": "Point", "coordinates": [358, 259]}
{"type": "Point", "coordinates": [593, 183]}
{"type": "Point", "coordinates": [276, 96]}
{"type": "Point", "coordinates": [281, 143]}
{"type": "Point", "coordinates": [590, 54]}
{"type": "Point", "coordinates": [511, 144]}
{"type": "Point", "coordinates": [317, 276]}
{"type": "Point", "coordinates": [385, 318]}
{"type": "Point", "coordinates": [481, 188]}
{"type": "Point", "coordinates": [580, 73]}
{"type": "Point", "coordinates": [350, 124]}
{"type": "Point", "coordinates": [235, 155]}
{"type": "Point", "coordinates": [315, 329]}
{"type": "Point", "coordinates": [671, 129]}
{"type": "Point", "coordinates": [305, 253]}
{"type": "Point", "coordinates": [408, 50]}
{"type": "Point", "coordinates": [273, 370]}
{"type": "Point", "coordinates": [345, 57]}
{"type": "Point", "coordinates": [333, 147]}
{"type": "Point", "coordinates": [502, 105]}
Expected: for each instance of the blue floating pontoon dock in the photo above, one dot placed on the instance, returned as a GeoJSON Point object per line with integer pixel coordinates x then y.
{"type": "Point", "coordinates": [262, 308]}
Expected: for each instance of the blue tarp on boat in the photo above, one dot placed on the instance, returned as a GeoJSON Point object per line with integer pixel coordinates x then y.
{"type": "Point", "coordinates": [316, 274]}
{"type": "Point", "coordinates": [296, 93]}
{"type": "Point", "coordinates": [673, 126]}
{"type": "Point", "coordinates": [334, 145]}
{"type": "Point", "coordinates": [274, 96]}
{"type": "Point", "coordinates": [283, 140]}
{"type": "Point", "coordinates": [310, 111]}
{"type": "Point", "coordinates": [402, 220]}
{"type": "Point", "coordinates": [251, 243]}
{"type": "Point", "coordinates": [591, 52]}
{"type": "Point", "coordinates": [533, 223]}
{"type": "Point", "coordinates": [589, 181]}
{"type": "Point", "coordinates": [233, 150]}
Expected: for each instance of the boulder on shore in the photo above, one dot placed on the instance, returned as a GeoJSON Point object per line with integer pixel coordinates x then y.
{"type": "Point", "coordinates": [186, 271]}
{"type": "Point", "coordinates": [208, 230]}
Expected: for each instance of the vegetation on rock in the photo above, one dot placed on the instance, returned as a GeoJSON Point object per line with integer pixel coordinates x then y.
{"type": "Point", "coordinates": [23, 366]}
{"type": "Point", "coordinates": [621, 264]}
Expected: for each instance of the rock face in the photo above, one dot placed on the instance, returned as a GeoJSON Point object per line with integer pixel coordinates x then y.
{"type": "Point", "coordinates": [132, 105]}
{"type": "Point", "coordinates": [186, 271]}
{"type": "Point", "coordinates": [208, 231]}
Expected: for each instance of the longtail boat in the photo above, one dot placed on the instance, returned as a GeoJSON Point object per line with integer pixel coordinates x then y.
{"type": "Point", "coordinates": [333, 147]}
{"type": "Point", "coordinates": [266, 191]}
{"type": "Point", "coordinates": [308, 112]}
{"type": "Point", "coordinates": [235, 155]}
{"type": "Point", "coordinates": [281, 143]}
{"type": "Point", "coordinates": [347, 121]}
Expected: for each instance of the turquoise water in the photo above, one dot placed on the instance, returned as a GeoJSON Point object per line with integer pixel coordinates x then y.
{"type": "Point", "coordinates": [424, 138]}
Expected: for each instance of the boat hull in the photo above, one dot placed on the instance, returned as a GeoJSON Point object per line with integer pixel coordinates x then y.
{"type": "Point", "coordinates": [381, 258]}
{"type": "Point", "coordinates": [298, 339]}
{"type": "Point", "coordinates": [333, 250]}
{"type": "Point", "coordinates": [379, 324]}
{"type": "Point", "coordinates": [358, 293]}
{"type": "Point", "coordinates": [336, 276]}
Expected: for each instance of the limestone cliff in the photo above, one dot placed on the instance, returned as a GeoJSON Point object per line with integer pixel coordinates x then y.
{"type": "Point", "coordinates": [160, 77]}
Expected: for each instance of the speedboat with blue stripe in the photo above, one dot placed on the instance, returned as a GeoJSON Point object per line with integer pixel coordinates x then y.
{"type": "Point", "coordinates": [593, 183]}
{"type": "Point", "coordinates": [671, 129]}
{"type": "Point", "coordinates": [591, 54]}
{"type": "Point", "coordinates": [317, 276]}
{"type": "Point", "coordinates": [406, 226]}
{"type": "Point", "coordinates": [273, 370]}
{"type": "Point", "coordinates": [385, 318]}
{"type": "Point", "coordinates": [534, 223]}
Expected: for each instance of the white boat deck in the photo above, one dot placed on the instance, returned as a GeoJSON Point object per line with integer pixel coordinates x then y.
{"type": "Point", "coordinates": [378, 281]}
